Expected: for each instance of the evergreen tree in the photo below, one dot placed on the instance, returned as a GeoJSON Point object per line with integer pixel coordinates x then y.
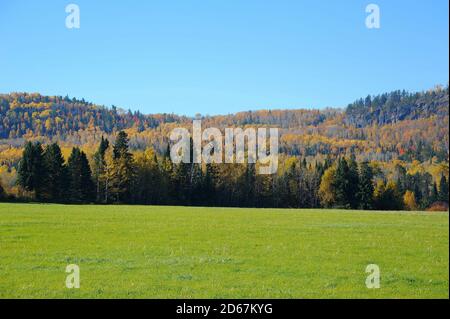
{"type": "Point", "coordinates": [365, 189]}
{"type": "Point", "coordinates": [31, 170]}
{"type": "Point", "coordinates": [387, 197]}
{"type": "Point", "coordinates": [124, 170]}
{"type": "Point", "coordinates": [434, 193]}
{"type": "Point", "coordinates": [341, 184]}
{"type": "Point", "coordinates": [443, 189]}
{"type": "Point", "coordinates": [99, 169]}
{"type": "Point", "coordinates": [57, 177]}
{"type": "Point", "coordinates": [120, 148]}
{"type": "Point", "coordinates": [82, 187]}
{"type": "Point", "coordinates": [353, 183]}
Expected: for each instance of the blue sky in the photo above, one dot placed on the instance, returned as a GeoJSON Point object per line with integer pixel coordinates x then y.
{"type": "Point", "coordinates": [219, 57]}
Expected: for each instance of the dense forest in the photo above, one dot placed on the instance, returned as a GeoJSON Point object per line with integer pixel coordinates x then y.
{"type": "Point", "coordinates": [388, 151]}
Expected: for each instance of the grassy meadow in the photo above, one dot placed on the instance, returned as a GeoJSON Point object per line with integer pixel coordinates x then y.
{"type": "Point", "coordinates": [187, 252]}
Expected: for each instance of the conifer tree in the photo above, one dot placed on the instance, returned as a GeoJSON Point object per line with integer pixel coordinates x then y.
{"type": "Point", "coordinates": [353, 183]}
{"type": "Point", "coordinates": [341, 184]}
{"type": "Point", "coordinates": [365, 187]}
{"type": "Point", "coordinates": [82, 187]}
{"type": "Point", "coordinates": [31, 170]}
{"type": "Point", "coordinates": [57, 176]}
{"type": "Point", "coordinates": [99, 169]}
{"type": "Point", "coordinates": [124, 170]}
{"type": "Point", "coordinates": [434, 193]}
{"type": "Point", "coordinates": [443, 189]}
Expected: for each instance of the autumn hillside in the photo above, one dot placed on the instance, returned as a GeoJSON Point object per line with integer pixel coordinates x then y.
{"type": "Point", "coordinates": [396, 125]}
{"type": "Point", "coordinates": [400, 139]}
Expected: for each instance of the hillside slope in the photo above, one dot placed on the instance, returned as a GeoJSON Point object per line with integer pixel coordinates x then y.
{"type": "Point", "coordinates": [409, 126]}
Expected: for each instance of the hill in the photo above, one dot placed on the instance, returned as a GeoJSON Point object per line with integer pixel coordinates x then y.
{"type": "Point", "coordinates": [396, 125]}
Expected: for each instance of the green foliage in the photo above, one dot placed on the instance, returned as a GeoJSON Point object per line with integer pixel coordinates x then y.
{"type": "Point", "coordinates": [397, 106]}
{"type": "Point", "coordinates": [123, 171]}
{"type": "Point", "coordinates": [443, 189]}
{"type": "Point", "coordinates": [56, 188]}
{"type": "Point", "coordinates": [31, 171]}
{"type": "Point", "coordinates": [99, 170]}
{"type": "Point", "coordinates": [81, 188]}
{"type": "Point", "coordinates": [387, 197]}
{"type": "Point", "coordinates": [365, 187]}
{"type": "Point", "coordinates": [346, 183]}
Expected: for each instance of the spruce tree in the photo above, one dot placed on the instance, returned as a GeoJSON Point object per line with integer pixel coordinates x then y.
{"type": "Point", "coordinates": [31, 170]}
{"type": "Point", "coordinates": [57, 176]}
{"type": "Point", "coordinates": [124, 170]}
{"type": "Point", "coordinates": [353, 183]}
{"type": "Point", "coordinates": [341, 184]}
{"type": "Point", "coordinates": [82, 187]}
{"type": "Point", "coordinates": [99, 169]}
{"type": "Point", "coordinates": [366, 188]}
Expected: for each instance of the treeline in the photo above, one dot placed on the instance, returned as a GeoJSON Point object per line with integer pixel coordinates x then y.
{"type": "Point", "coordinates": [349, 185]}
{"type": "Point", "coordinates": [397, 106]}
{"type": "Point", "coordinates": [115, 175]}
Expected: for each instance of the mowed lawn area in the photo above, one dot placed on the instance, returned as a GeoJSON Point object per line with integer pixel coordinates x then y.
{"type": "Point", "coordinates": [189, 252]}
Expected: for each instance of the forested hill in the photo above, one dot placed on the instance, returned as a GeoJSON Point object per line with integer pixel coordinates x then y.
{"type": "Point", "coordinates": [398, 106]}
{"type": "Point", "coordinates": [407, 126]}
{"type": "Point", "coordinates": [36, 115]}
{"type": "Point", "coordinates": [25, 114]}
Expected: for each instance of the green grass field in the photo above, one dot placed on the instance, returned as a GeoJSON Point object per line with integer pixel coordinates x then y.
{"type": "Point", "coordinates": [186, 252]}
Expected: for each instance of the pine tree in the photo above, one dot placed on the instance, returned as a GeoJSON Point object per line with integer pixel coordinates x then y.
{"type": "Point", "coordinates": [31, 170]}
{"type": "Point", "coordinates": [124, 170]}
{"type": "Point", "coordinates": [99, 169]}
{"type": "Point", "coordinates": [341, 184]}
{"type": "Point", "coordinates": [82, 187]}
{"type": "Point", "coordinates": [353, 183]}
{"type": "Point", "coordinates": [365, 189]}
{"type": "Point", "coordinates": [57, 177]}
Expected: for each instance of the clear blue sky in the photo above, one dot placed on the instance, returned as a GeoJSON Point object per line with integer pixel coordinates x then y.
{"type": "Point", "coordinates": [218, 57]}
